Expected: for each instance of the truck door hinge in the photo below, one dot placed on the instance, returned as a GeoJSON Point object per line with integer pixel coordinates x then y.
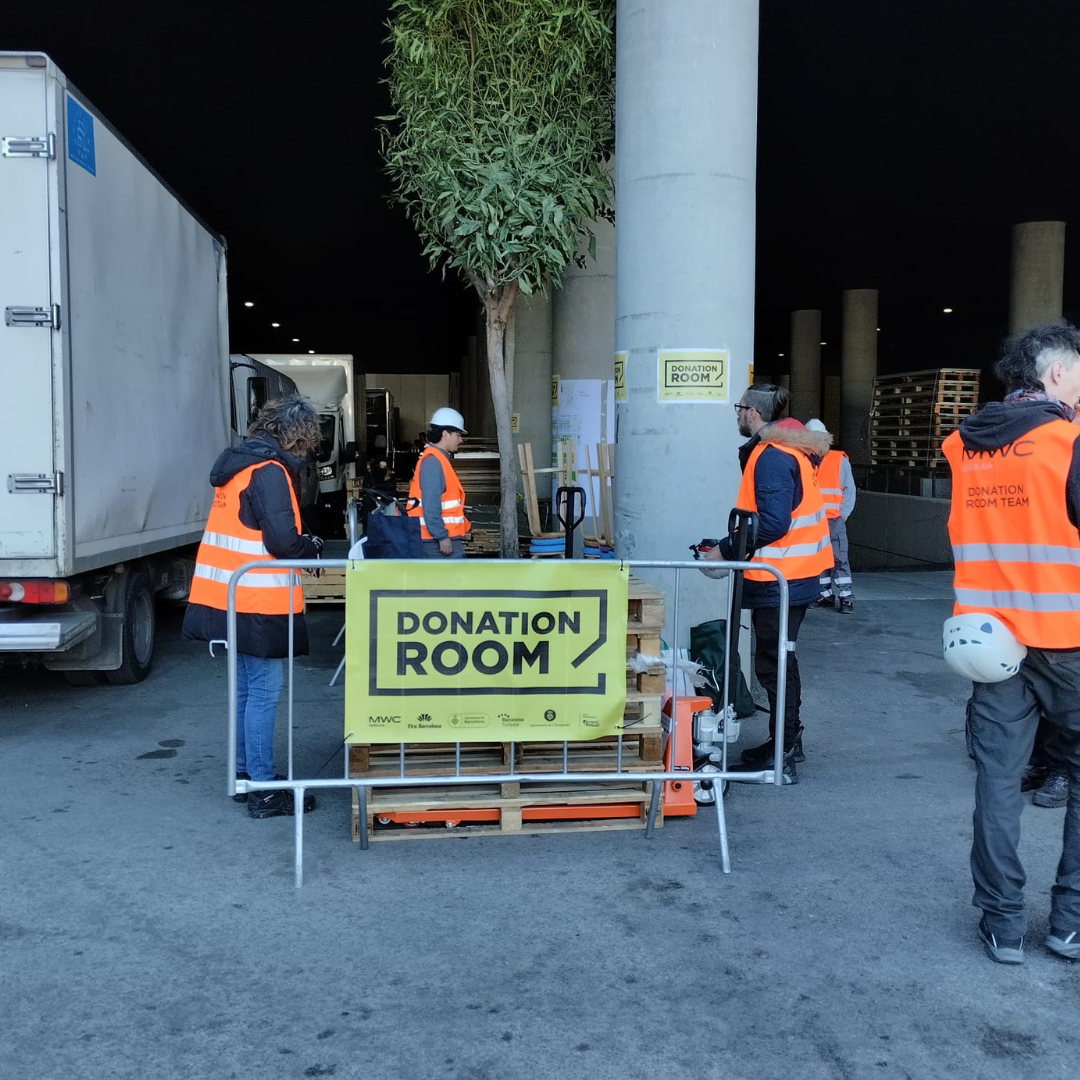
{"type": "Point", "coordinates": [36, 483]}
{"type": "Point", "coordinates": [48, 317]}
{"type": "Point", "coordinates": [29, 146]}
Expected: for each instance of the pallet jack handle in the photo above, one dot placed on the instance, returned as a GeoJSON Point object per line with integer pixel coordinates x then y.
{"type": "Point", "coordinates": [566, 507]}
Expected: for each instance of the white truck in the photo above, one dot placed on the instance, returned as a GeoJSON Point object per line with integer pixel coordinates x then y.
{"type": "Point", "coordinates": [114, 345]}
{"type": "Point", "coordinates": [334, 385]}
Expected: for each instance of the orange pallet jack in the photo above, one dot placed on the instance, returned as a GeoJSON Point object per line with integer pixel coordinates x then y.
{"type": "Point", "coordinates": [679, 754]}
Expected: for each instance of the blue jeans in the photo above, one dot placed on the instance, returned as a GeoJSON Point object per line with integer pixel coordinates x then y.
{"type": "Point", "coordinates": [258, 687]}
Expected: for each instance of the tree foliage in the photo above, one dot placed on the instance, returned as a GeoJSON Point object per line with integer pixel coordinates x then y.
{"type": "Point", "coordinates": [503, 116]}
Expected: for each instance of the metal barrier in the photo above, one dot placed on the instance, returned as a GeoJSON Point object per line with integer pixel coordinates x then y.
{"type": "Point", "coordinates": [656, 779]}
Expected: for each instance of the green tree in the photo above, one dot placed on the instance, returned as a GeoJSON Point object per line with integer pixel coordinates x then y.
{"type": "Point", "coordinates": [503, 116]}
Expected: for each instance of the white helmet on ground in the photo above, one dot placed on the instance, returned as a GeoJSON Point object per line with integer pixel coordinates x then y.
{"type": "Point", "coordinates": [448, 418]}
{"type": "Point", "coordinates": [981, 647]}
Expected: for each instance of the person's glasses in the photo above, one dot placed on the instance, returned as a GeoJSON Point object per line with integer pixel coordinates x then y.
{"type": "Point", "coordinates": [739, 408]}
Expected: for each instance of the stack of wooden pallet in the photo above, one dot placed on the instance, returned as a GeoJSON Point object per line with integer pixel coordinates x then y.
{"type": "Point", "coordinates": [914, 412]}
{"type": "Point", "coordinates": [512, 807]}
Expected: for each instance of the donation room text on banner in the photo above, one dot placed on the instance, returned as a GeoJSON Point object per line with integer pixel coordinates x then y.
{"type": "Point", "coordinates": [455, 651]}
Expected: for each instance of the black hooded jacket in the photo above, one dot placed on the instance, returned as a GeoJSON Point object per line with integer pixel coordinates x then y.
{"type": "Point", "coordinates": [1003, 422]}
{"type": "Point", "coordinates": [265, 505]}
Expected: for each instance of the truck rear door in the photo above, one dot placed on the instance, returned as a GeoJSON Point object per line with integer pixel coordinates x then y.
{"type": "Point", "coordinates": [28, 477]}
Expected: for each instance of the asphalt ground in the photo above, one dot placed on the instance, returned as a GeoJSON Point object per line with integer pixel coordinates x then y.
{"type": "Point", "coordinates": [150, 928]}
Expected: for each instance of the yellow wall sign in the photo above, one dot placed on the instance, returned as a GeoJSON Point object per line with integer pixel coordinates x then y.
{"type": "Point", "coordinates": [515, 423]}
{"type": "Point", "coordinates": [620, 375]}
{"type": "Point", "coordinates": [692, 374]}
{"type": "Point", "coordinates": [555, 391]}
{"type": "Point", "coordinates": [462, 652]}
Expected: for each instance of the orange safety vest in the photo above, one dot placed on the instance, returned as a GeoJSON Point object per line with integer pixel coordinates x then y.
{"type": "Point", "coordinates": [228, 544]}
{"type": "Point", "coordinates": [828, 475]}
{"type": "Point", "coordinates": [805, 550]}
{"type": "Point", "coordinates": [453, 498]}
{"type": "Point", "coordinates": [1017, 554]}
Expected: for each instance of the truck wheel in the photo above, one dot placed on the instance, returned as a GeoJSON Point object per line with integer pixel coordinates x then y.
{"type": "Point", "coordinates": [140, 621]}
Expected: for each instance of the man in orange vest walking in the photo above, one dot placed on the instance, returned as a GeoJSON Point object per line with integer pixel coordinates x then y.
{"type": "Point", "coordinates": [256, 516]}
{"type": "Point", "coordinates": [1014, 526]}
{"type": "Point", "coordinates": [780, 486]}
{"type": "Point", "coordinates": [436, 496]}
{"type": "Point", "coordinates": [838, 490]}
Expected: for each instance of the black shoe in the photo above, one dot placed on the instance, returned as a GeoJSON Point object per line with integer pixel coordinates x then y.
{"type": "Point", "coordinates": [241, 796]}
{"type": "Point", "coordinates": [1001, 950]}
{"type": "Point", "coordinates": [760, 757]}
{"type": "Point", "coordinates": [847, 606]}
{"type": "Point", "coordinates": [1054, 792]}
{"type": "Point", "coordinates": [1034, 777]}
{"type": "Point", "coordinates": [264, 804]}
{"type": "Point", "coordinates": [826, 602]}
{"type": "Point", "coordinates": [791, 773]}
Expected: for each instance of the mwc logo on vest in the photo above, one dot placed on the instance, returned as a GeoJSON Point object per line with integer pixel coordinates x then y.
{"type": "Point", "coordinates": [506, 653]}
{"type": "Point", "coordinates": [997, 496]}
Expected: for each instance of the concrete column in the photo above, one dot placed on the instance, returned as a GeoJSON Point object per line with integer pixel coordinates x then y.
{"type": "Point", "coordinates": [583, 323]}
{"type": "Point", "coordinates": [686, 137]}
{"type": "Point", "coordinates": [858, 366]}
{"type": "Point", "coordinates": [472, 374]}
{"type": "Point", "coordinates": [532, 376]}
{"type": "Point", "coordinates": [805, 364]}
{"type": "Point", "coordinates": [1038, 273]}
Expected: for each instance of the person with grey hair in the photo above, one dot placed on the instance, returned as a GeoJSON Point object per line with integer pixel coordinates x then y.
{"type": "Point", "coordinates": [1014, 526]}
{"type": "Point", "coordinates": [255, 516]}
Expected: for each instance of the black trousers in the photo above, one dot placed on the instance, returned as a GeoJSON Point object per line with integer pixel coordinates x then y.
{"type": "Point", "coordinates": [766, 623]}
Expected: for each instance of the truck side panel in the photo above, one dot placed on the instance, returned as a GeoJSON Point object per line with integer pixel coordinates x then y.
{"type": "Point", "coordinates": [27, 451]}
{"type": "Point", "coordinates": [148, 352]}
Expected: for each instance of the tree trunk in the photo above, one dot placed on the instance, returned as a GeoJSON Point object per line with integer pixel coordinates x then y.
{"type": "Point", "coordinates": [497, 308]}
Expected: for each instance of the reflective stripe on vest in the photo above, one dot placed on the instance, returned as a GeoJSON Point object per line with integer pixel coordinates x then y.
{"type": "Point", "coordinates": [227, 544]}
{"type": "Point", "coordinates": [1017, 555]}
{"type": "Point", "coordinates": [828, 474]}
{"type": "Point", "coordinates": [805, 550]}
{"type": "Point", "coordinates": [452, 509]}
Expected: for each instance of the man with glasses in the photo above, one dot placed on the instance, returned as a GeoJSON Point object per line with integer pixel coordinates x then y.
{"type": "Point", "coordinates": [779, 484]}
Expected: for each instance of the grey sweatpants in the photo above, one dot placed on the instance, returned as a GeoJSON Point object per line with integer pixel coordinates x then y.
{"type": "Point", "coordinates": [431, 549]}
{"type": "Point", "coordinates": [840, 574]}
{"type": "Point", "coordinates": [1002, 718]}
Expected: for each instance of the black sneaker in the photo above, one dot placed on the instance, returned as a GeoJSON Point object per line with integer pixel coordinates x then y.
{"type": "Point", "coordinates": [1002, 950]}
{"type": "Point", "coordinates": [791, 773]}
{"type": "Point", "coordinates": [847, 606]}
{"type": "Point", "coordinates": [1034, 777]}
{"type": "Point", "coordinates": [241, 796]}
{"type": "Point", "coordinates": [264, 804]}
{"type": "Point", "coordinates": [826, 602]}
{"type": "Point", "coordinates": [1066, 945]}
{"type": "Point", "coordinates": [1054, 792]}
{"type": "Point", "coordinates": [760, 757]}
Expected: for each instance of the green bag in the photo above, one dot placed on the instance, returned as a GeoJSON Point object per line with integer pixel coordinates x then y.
{"type": "Point", "coordinates": [707, 649]}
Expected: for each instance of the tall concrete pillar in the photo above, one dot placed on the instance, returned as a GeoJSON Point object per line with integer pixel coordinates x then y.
{"type": "Point", "coordinates": [858, 366]}
{"type": "Point", "coordinates": [686, 138]}
{"type": "Point", "coordinates": [532, 376]}
{"type": "Point", "coordinates": [805, 364]}
{"type": "Point", "coordinates": [1038, 273]}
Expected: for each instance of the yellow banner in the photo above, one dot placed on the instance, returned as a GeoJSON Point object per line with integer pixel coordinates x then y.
{"type": "Point", "coordinates": [453, 651]}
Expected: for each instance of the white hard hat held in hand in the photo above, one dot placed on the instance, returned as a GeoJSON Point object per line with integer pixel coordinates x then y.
{"type": "Point", "coordinates": [981, 647]}
{"type": "Point", "coordinates": [450, 418]}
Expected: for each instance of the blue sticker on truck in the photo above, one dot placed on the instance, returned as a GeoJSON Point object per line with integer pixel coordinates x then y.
{"type": "Point", "coordinates": [80, 137]}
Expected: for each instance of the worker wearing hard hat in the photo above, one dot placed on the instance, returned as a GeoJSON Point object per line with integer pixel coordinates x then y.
{"type": "Point", "coordinates": [436, 496]}
{"type": "Point", "coordinates": [837, 487]}
{"type": "Point", "coordinates": [1015, 632]}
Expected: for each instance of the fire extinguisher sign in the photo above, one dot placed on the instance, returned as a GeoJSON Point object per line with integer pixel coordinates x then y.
{"type": "Point", "coordinates": [692, 374]}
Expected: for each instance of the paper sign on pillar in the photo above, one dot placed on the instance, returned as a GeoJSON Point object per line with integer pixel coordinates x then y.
{"type": "Point", "coordinates": [475, 652]}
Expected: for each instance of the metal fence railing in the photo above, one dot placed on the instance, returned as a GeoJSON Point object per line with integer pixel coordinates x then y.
{"type": "Point", "coordinates": [364, 784]}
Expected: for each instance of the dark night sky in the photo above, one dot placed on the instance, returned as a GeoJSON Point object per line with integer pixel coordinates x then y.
{"type": "Point", "coordinates": [897, 143]}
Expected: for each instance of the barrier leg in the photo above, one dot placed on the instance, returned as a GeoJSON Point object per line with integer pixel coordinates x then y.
{"type": "Point", "coordinates": [337, 674]}
{"type": "Point", "coordinates": [298, 836]}
{"type": "Point", "coordinates": [362, 792]}
{"type": "Point", "coordinates": [721, 825]}
{"type": "Point", "coordinates": [654, 803]}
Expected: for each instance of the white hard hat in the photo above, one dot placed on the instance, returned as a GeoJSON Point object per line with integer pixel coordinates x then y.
{"type": "Point", "coordinates": [981, 647]}
{"type": "Point", "coordinates": [448, 418]}
{"type": "Point", "coordinates": [815, 425]}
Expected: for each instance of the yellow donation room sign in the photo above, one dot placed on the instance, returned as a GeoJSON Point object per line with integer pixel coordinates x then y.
{"type": "Point", "coordinates": [692, 374]}
{"type": "Point", "coordinates": [453, 651]}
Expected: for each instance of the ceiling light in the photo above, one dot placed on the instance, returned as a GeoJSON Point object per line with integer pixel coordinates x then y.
{"type": "Point", "coordinates": [275, 325]}
{"type": "Point", "coordinates": [779, 354]}
{"type": "Point", "coordinates": [296, 339]}
{"type": "Point", "coordinates": [822, 342]}
{"type": "Point", "coordinates": [878, 329]}
{"type": "Point", "coordinates": [947, 310]}
{"type": "Point", "coordinates": [248, 303]}
{"type": "Point", "coordinates": [311, 352]}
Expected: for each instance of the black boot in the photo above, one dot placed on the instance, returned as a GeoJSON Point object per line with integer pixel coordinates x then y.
{"type": "Point", "coordinates": [791, 773]}
{"type": "Point", "coordinates": [265, 804]}
{"type": "Point", "coordinates": [1054, 792]}
{"type": "Point", "coordinates": [760, 757]}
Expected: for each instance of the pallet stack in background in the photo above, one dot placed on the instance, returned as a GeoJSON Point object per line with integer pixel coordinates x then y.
{"type": "Point", "coordinates": [914, 412]}
{"type": "Point", "coordinates": [512, 807]}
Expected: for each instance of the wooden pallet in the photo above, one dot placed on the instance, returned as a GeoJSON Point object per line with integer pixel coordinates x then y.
{"type": "Point", "coordinates": [327, 588]}
{"type": "Point", "coordinates": [506, 809]}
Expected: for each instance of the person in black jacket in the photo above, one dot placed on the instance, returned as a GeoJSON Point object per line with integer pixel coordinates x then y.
{"type": "Point", "coordinates": [256, 515]}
